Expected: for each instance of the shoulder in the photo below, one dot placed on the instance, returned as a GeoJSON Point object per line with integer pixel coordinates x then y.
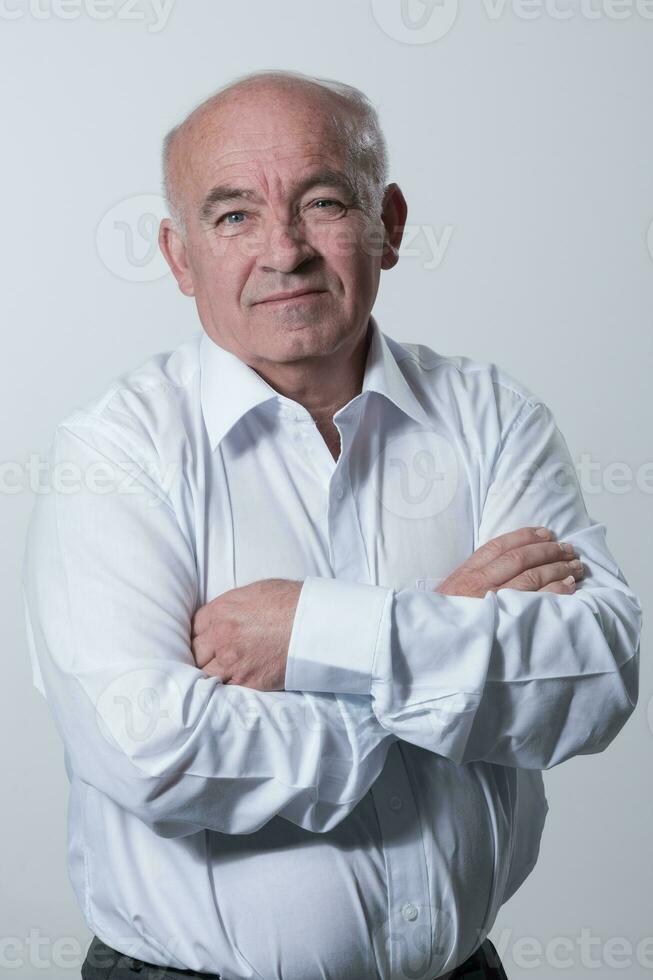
{"type": "Point", "coordinates": [482, 394]}
{"type": "Point", "coordinates": [145, 414]}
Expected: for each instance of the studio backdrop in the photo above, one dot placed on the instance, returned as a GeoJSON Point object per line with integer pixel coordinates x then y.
{"type": "Point", "coordinates": [520, 133]}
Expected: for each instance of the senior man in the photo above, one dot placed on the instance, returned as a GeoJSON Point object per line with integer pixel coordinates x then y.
{"type": "Point", "coordinates": [335, 603]}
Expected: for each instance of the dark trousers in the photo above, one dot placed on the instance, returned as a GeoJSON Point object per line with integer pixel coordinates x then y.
{"type": "Point", "coordinates": [104, 963]}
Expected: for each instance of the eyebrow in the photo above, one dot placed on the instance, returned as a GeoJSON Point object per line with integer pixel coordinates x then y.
{"type": "Point", "coordinates": [222, 193]}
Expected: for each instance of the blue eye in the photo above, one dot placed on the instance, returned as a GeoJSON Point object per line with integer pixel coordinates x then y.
{"type": "Point", "coordinates": [329, 207]}
{"type": "Point", "coordinates": [233, 214]}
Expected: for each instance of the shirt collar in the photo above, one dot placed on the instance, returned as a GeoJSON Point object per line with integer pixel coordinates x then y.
{"type": "Point", "coordinates": [229, 388]}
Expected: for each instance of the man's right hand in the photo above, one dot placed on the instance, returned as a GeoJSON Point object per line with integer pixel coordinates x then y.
{"type": "Point", "coordinates": [519, 559]}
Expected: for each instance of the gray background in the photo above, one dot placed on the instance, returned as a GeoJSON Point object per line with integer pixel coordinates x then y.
{"type": "Point", "coordinates": [523, 143]}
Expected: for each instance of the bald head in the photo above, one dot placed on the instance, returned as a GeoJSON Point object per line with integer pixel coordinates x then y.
{"type": "Point", "coordinates": [276, 104]}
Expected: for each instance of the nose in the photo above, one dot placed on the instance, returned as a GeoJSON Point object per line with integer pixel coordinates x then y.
{"type": "Point", "coordinates": [284, 247]}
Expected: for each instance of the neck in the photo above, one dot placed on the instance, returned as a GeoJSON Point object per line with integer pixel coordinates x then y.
{"type": "Point", "coordinates": [324, 388]}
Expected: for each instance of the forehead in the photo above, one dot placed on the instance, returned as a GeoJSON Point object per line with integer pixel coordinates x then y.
{"type": "Point", "coordinates": [266, 134]}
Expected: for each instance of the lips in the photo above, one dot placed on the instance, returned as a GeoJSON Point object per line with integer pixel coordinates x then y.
{"type": "Point", "coordinates": [280, 297]}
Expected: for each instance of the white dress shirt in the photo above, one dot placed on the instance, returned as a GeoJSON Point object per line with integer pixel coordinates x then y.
{"type": "Point", "coordinates": [370, 820]}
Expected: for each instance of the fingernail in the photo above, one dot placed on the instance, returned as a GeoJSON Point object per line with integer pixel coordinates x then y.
{"type": "Point", "coordinates": [569, 580]}
{"type": "Point", "coordinates": [542, 532]}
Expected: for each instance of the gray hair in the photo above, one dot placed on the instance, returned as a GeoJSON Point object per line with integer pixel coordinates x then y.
{"type": "Point", "coordinates": [357, 124]}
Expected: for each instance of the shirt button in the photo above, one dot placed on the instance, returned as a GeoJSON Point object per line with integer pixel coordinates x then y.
{"type": "Point", "coordinates": [409, 912]}
{"type": "Point", "coordinates": [340, 493]}
{"type": "Point", "coordinates": [395, 803]}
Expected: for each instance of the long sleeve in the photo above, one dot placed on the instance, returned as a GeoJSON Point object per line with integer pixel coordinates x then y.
{"type": "Point", "coordinates": [110, 586]}
{"type": "Point", "coordinates": [525, 679]}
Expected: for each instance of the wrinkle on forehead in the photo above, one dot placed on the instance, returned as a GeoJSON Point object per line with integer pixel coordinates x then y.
{"type": "Point", "coordinates": [260, 122]}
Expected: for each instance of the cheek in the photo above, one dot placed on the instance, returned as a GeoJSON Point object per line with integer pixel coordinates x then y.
{"type": "Point", "coordinates": [222, 270]}
{"type": "Point", "coordinates": [357, 273]}
{"type": "Point", "coordinates": [350, 255]}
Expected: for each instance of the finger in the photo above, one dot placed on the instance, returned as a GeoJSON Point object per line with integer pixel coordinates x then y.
{"type": "Point", "coordinates": [204, 616]}
{"type": "Point", "coordinates": [200, 621]}
{"type": "Point", "coordinates": [562, 588]}
{"type": "Point", "coordinates": [213, 669]}
{"type": "Point", "coordinates": [551, 561]}
{"type": "Point", "coordinates": [202, 650]}
{"type": "Point", "coordinates": [496, 547]}
{"type": "Point", "coordinates": [533, 579]}
{"type": "Point", "coordinates": [519, 560]}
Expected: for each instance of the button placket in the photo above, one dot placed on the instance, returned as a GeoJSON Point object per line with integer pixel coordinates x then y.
{"type": "Point", "coordinates": [409, 912]}
{"type": "Point", "coordinates": [318, 453]}
{"type": "Point", "coordinates": [347, 551]}
{"type": "Point", "coordinates": [407, 882]}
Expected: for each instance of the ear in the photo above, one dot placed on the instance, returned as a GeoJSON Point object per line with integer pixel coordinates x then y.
{"type": "Point", "coordinates": [175, 253]}
{"type": "Point", "coordinates": [393, 216]}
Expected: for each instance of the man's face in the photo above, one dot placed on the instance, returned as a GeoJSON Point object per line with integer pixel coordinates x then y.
{"type": "Point", "coordinates": [270, 209]}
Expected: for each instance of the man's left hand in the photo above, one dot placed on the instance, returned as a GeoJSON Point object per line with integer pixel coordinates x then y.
{"type": "Point", "coordinates": [242, 636]}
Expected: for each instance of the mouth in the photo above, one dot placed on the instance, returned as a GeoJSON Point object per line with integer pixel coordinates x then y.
{"type": "Point", "coordinates": [291, 297]}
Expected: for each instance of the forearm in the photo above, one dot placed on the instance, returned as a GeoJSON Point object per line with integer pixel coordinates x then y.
{"type": "Point", "coordinates": [110, 588]}
{"type": "Point", "coordinates": [521, 678]}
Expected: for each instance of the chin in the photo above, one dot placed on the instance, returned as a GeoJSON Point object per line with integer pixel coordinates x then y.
{"type": "Point", "coordinates": [299, 339]}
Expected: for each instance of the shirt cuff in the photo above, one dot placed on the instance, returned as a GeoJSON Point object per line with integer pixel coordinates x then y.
{"type": "Point", "coordinates": [334, 636]}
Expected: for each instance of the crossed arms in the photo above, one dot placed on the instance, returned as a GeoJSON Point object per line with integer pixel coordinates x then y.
{"type": "Point", "coordinates": [515, 678]}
